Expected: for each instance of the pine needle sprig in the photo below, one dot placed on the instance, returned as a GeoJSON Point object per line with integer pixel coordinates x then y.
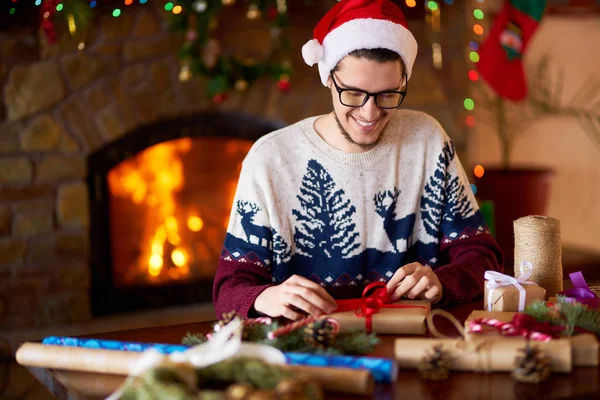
{"type": "Point", "coordinates": [571, 315]}
{"type": "Point", "coordinates": [193, 339]}
{"type": "Point", "coordinates": [351, 343]}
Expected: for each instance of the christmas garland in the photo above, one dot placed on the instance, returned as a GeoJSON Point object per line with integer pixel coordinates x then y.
{"type": "Point", "coordinates": [310, 335]}
{"type": "Point", "coordinates": [201, 52]}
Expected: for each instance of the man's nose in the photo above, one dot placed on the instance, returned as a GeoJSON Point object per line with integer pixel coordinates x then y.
{"type": "Point", "coordinates": [370, 111]}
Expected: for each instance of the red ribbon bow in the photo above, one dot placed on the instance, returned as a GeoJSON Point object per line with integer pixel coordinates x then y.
{"type": "Point", "coordinates": [370, 304]}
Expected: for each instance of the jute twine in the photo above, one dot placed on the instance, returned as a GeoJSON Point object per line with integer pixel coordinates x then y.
{"type": "Point", "coordinates": [537, 240]}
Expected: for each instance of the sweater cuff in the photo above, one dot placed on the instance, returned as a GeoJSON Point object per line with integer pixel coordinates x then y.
{"type": "Point", "coordinates": [251, 293]}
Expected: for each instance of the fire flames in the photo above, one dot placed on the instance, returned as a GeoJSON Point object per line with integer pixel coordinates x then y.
{"type": "Point", "coordinates": [152, 179]}
{"type": "Point", "coordinates": [170, 209]}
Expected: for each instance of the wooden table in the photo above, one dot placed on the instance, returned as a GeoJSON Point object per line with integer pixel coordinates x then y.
{"type": "Point", "coordinates": [582, 383]}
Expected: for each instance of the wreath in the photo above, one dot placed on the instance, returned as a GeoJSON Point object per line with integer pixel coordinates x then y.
{"type": "Point", "coordinates": [202, 53]}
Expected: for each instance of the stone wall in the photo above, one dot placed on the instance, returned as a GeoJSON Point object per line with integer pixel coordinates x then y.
{"type": "Point", "coordinates": [59, 104]}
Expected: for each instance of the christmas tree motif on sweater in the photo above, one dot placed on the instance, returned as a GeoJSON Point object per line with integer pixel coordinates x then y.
{"type": "Point", "coordinates": [282, 253]}
{"type": "Point", "coordinates": [256, 234]}
{"type": "Point", "coordinates": [325, 227]}
{"type": "Point", "coordinates": [432, 201]}
{"type": "Point", "coordinates": [458, 204]}
{"type": "Point", "coordinates": [396, 229]}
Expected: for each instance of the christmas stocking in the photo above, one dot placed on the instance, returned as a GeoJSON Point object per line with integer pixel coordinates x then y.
{"type": "Point", "coordinates": [501, 53]}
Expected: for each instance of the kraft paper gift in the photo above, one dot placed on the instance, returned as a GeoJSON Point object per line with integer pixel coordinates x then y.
{"type": "Point", "coordinates": [488, 354]}
{"type": "Point", "coordinates": [505, 293]}
{"type": "Point", "coordinates": [402, 317]}
{"type": "Point", "coordinates": [585, 347]}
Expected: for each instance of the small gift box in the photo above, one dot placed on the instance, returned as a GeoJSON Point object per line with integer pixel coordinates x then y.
{"type": "Point", "coordinates": [372, 313]}
{"type": "Point", "coordinates": [402, 317]}
{"type": "Point", "coordinates": [505, 293]}
{"type": "Point", "coordinates": [584, 347]}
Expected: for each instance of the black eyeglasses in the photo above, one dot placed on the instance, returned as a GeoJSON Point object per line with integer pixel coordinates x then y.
{"type": "Point", "coordinates": [358, 98]}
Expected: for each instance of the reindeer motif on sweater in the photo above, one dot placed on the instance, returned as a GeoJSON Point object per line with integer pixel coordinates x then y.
{"type": "Point", "coordinates": [397, 230]}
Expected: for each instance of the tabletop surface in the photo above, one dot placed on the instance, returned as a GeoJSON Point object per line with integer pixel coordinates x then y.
{"type": "Point", "coordinates": [582, 383]}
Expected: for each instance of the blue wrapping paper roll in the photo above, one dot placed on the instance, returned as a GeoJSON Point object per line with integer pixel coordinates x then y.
{"type": "Point", "coordinates": [384, 370]}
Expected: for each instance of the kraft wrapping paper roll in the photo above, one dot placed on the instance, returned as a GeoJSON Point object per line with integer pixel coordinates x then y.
{"type": "Point", "coordinates": [115, 362]}
{"type": "Point", "coordinates": [485, 355]}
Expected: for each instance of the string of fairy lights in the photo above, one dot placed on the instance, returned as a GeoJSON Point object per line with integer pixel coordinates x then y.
{"type": "Point", "coordinates": [478, 31]}
{"type": "Point", "coordinates": [175, 7]}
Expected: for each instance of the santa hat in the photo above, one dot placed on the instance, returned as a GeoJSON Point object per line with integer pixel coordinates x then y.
{"type": "Point", "coordinates": [359, 24]}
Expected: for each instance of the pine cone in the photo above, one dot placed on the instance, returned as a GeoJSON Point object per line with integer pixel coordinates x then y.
{"type": "Point", "coordinates": [320, 333]}
{"type": "Point", "coordinates": [532, 367]}
{"type": "Point", "coordinates": [238, 391]}
{"type": "Point", "coordinates": [435, 366]}
{"type": "Point", "coordinates": [225, 319]}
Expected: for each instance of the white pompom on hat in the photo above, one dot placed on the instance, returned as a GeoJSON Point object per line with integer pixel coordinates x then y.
{"type": "Point", "coordinates": [359, 24]}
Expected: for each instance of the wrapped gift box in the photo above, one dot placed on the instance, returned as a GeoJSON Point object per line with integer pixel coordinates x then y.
{"type": "Point", "coordinates": [409, 320]}
{"type": "Point", "coordinates": [584, 347]}
{"type": "Point", "coordinates": [506, 298]}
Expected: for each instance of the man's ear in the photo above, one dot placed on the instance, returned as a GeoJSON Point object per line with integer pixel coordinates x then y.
{"type": "Point", "coordinates": [329, 83]}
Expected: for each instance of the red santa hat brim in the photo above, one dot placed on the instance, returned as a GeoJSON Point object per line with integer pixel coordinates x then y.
{"type": "Point", "coordinates": [368, 33]}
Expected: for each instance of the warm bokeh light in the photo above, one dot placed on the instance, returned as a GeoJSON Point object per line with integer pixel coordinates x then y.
{"type": "Point", "coordinates": [478, 29]}
{"type": "Point", "coordinates": [179, 257]}
{"type": "Point", "coordinates": [155, 264]}
{"type": "Point", "coordinates": [177, 10]}
{"type": "Point", "coordinates": [411, 3]}
{"type": "Point", "coordinates": [473, 75]}
{"type": "Point", "coordinates": [478, 171]}
{"type": "Point", "coordinates": [471, 121]}
{"type": "Point", "coordinates": [195, 224]}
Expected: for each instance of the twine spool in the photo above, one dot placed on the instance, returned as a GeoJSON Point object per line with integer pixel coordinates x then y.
{"type": "Point", "coordinates": [537, 240]}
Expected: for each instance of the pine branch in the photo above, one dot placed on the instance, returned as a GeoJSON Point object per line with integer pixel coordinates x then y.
{"type": "Point", "coordinates": [193, 339]}
{"type": "Point", "coordinates": [570, 315]}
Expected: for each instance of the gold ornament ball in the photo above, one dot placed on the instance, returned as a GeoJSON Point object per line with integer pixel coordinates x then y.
{"type": "Point", "coordinates": [184, 73]}
{"type": "Point", "coordinates": [241, 85]}
{"type": "Point", "coordinates": [238, 391]}
{"type": "Point", "coordinates": [253, 12]}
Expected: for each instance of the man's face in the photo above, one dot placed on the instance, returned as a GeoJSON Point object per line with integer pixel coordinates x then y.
{"type": "Point", "coordinates": [362, 126]}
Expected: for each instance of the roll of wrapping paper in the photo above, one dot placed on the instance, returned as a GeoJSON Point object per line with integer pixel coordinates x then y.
{"type": "Point", "coordinates": [117, 362]}
{"type": "Point", "coordinates": [484, 355]}
{"type": "Point", "coordinates": [384, 370]}
{"type": "Point", "coordinates": [407, 321]}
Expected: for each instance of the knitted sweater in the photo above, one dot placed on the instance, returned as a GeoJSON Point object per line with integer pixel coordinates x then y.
{"type": "Point", "coordinates": [344, 220]}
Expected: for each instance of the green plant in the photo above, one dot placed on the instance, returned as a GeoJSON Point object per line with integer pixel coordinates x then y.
{"type": "Point", "coordinates": [511, 119]}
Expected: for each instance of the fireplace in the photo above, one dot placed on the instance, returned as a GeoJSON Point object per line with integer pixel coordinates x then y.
{"type": "Point", "coordinates": [160, 199]}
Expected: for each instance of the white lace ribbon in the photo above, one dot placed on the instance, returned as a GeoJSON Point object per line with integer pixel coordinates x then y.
{"type": "Point", "coordinates": [224, 344]}
{"type": "Point", "coordinates": [496, 279]}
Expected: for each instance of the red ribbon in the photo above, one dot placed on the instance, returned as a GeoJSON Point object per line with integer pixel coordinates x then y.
{"type": "Point", "coordinates": [370, 304]}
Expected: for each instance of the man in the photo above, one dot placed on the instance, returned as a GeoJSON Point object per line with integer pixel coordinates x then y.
{"type": "Point", "coordinates": [366, 193]}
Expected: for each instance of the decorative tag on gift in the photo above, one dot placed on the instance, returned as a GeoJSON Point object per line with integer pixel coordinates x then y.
{"type": "Point", "coordinates": [373, 313]}
{"type": "Point", "coordinates": [506, 293]}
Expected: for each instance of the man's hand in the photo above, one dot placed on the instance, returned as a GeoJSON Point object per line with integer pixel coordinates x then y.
{"type": "Point", "coordinates": [295, 294]}
{"type": "Point", "coordinates": [415, 281]}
